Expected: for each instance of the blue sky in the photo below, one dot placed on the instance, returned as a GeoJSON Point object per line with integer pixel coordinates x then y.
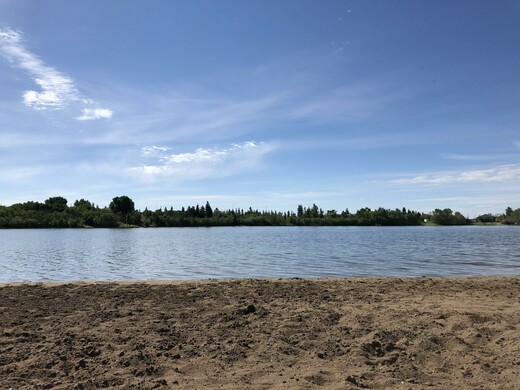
{"type": "Point", "coordinates": [267, 104]}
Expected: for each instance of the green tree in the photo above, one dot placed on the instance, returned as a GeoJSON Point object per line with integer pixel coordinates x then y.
{"type": "Point", "coordinates": [314, 211]}
{"type": "Point", "coordinates": [446, 217]}
{"type": "Point", "coordinates": [300, 211]}
{"type": "Point", "coordinates": [486, 218]}
{"type": "Point", "coordinates": [511, 217]}
{"type": "Point", "coordinates": [209, 210]}
{"type": "Point", "coordinates": [442, 217]}
{"type": "Point", "coordinates": [332, 214]}
{"type": "Point", "coordinates": [122, 206]}
{"type": "Point", "coordinates": [57, 203]}
{"type": "Point", "coordinates": [83, 204]}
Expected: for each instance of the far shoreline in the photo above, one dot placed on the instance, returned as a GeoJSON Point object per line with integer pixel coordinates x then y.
{"type": "Point", "coordinates": [256, 226]}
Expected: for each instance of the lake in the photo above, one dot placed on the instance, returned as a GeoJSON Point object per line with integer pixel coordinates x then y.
{"type": "Point", "coordinates": [238, 252]}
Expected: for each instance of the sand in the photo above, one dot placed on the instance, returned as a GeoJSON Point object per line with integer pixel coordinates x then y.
{"type": "Point", "coordinates": [374, 333]}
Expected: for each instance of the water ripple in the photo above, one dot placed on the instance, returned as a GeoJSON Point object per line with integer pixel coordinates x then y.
{"type": "Point", "coordinates": [172, 253]}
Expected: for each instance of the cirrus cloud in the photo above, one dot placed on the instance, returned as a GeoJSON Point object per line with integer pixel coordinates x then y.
{"type": "Point", "coordinates": [509, 172]}
{"type": "Point", "coordinates": [57, 90]}
{"type": "Point", "coordinates": [95, 113]}
{"type": "Point", "coordinates": [203, 162]}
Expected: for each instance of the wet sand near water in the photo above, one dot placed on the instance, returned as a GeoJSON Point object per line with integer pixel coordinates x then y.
{"type": "Point", "coordinates": [374, 333]}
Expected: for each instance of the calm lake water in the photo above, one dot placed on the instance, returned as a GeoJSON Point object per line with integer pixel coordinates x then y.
{"type": "Point", "coordinates": [200, 253]}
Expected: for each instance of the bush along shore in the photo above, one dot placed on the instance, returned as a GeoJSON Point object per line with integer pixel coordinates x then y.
{"type": "Point", "coordinates": [55, 212]}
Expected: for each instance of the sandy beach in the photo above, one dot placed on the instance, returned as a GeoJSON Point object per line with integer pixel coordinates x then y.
{"type": "Point", "coordinates": [374, 333]}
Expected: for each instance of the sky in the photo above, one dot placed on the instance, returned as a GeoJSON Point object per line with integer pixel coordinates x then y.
{"type": "Point", "coordinates": [346, 104]}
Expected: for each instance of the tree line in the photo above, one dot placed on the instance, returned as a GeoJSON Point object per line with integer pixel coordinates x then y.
{"type": "Point", "coordinates": [55, 212]}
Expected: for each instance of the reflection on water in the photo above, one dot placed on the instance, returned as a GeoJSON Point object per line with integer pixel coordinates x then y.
{"type": "Point", "coordinates": [199, 253]}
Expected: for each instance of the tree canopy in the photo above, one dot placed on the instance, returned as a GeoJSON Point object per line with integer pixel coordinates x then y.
{"type": "Point", "coordinates": [122, 206]}
{"type": "Point", "coordinates": [55, 212]}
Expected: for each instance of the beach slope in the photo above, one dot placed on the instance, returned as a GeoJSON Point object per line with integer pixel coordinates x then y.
{"type": "Point", "coordinates": [377, 333]}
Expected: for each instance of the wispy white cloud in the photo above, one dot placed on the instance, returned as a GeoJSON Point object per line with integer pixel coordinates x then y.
{"type": "Point", "coordinates": [480, 201]}
{"type": "Point", "coordinates": [376, 141]}
{"type": "Point", "coordinates": [475, 157]}
{"type": "Point", "coordinates": [346, 104]}
{"type": "Point", "coordinates": [510, 172]}
{"type": "Point", "coordinates": [309, 196]}
{"type": "Point", "coordinates": [168, 117]}
{"type": "Point", "coordinates": [200, 155]}
{"type": "Point", "coordinates": [56, 88]}
{"type": "Point", "coordinates": [56, 91]}
{"type": "Point", "coordinates": [202, 163]}
{"type": "Point", "coordinates": [462, 157]}
{"type": "Point", "coordinates": [165, 116]}
{"type": "Point", "coordinates": [95, 113]}
{"type": "Point", "coordinates": [150, 151]}
{"type": "Point", "coordinates": [17, 174]}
